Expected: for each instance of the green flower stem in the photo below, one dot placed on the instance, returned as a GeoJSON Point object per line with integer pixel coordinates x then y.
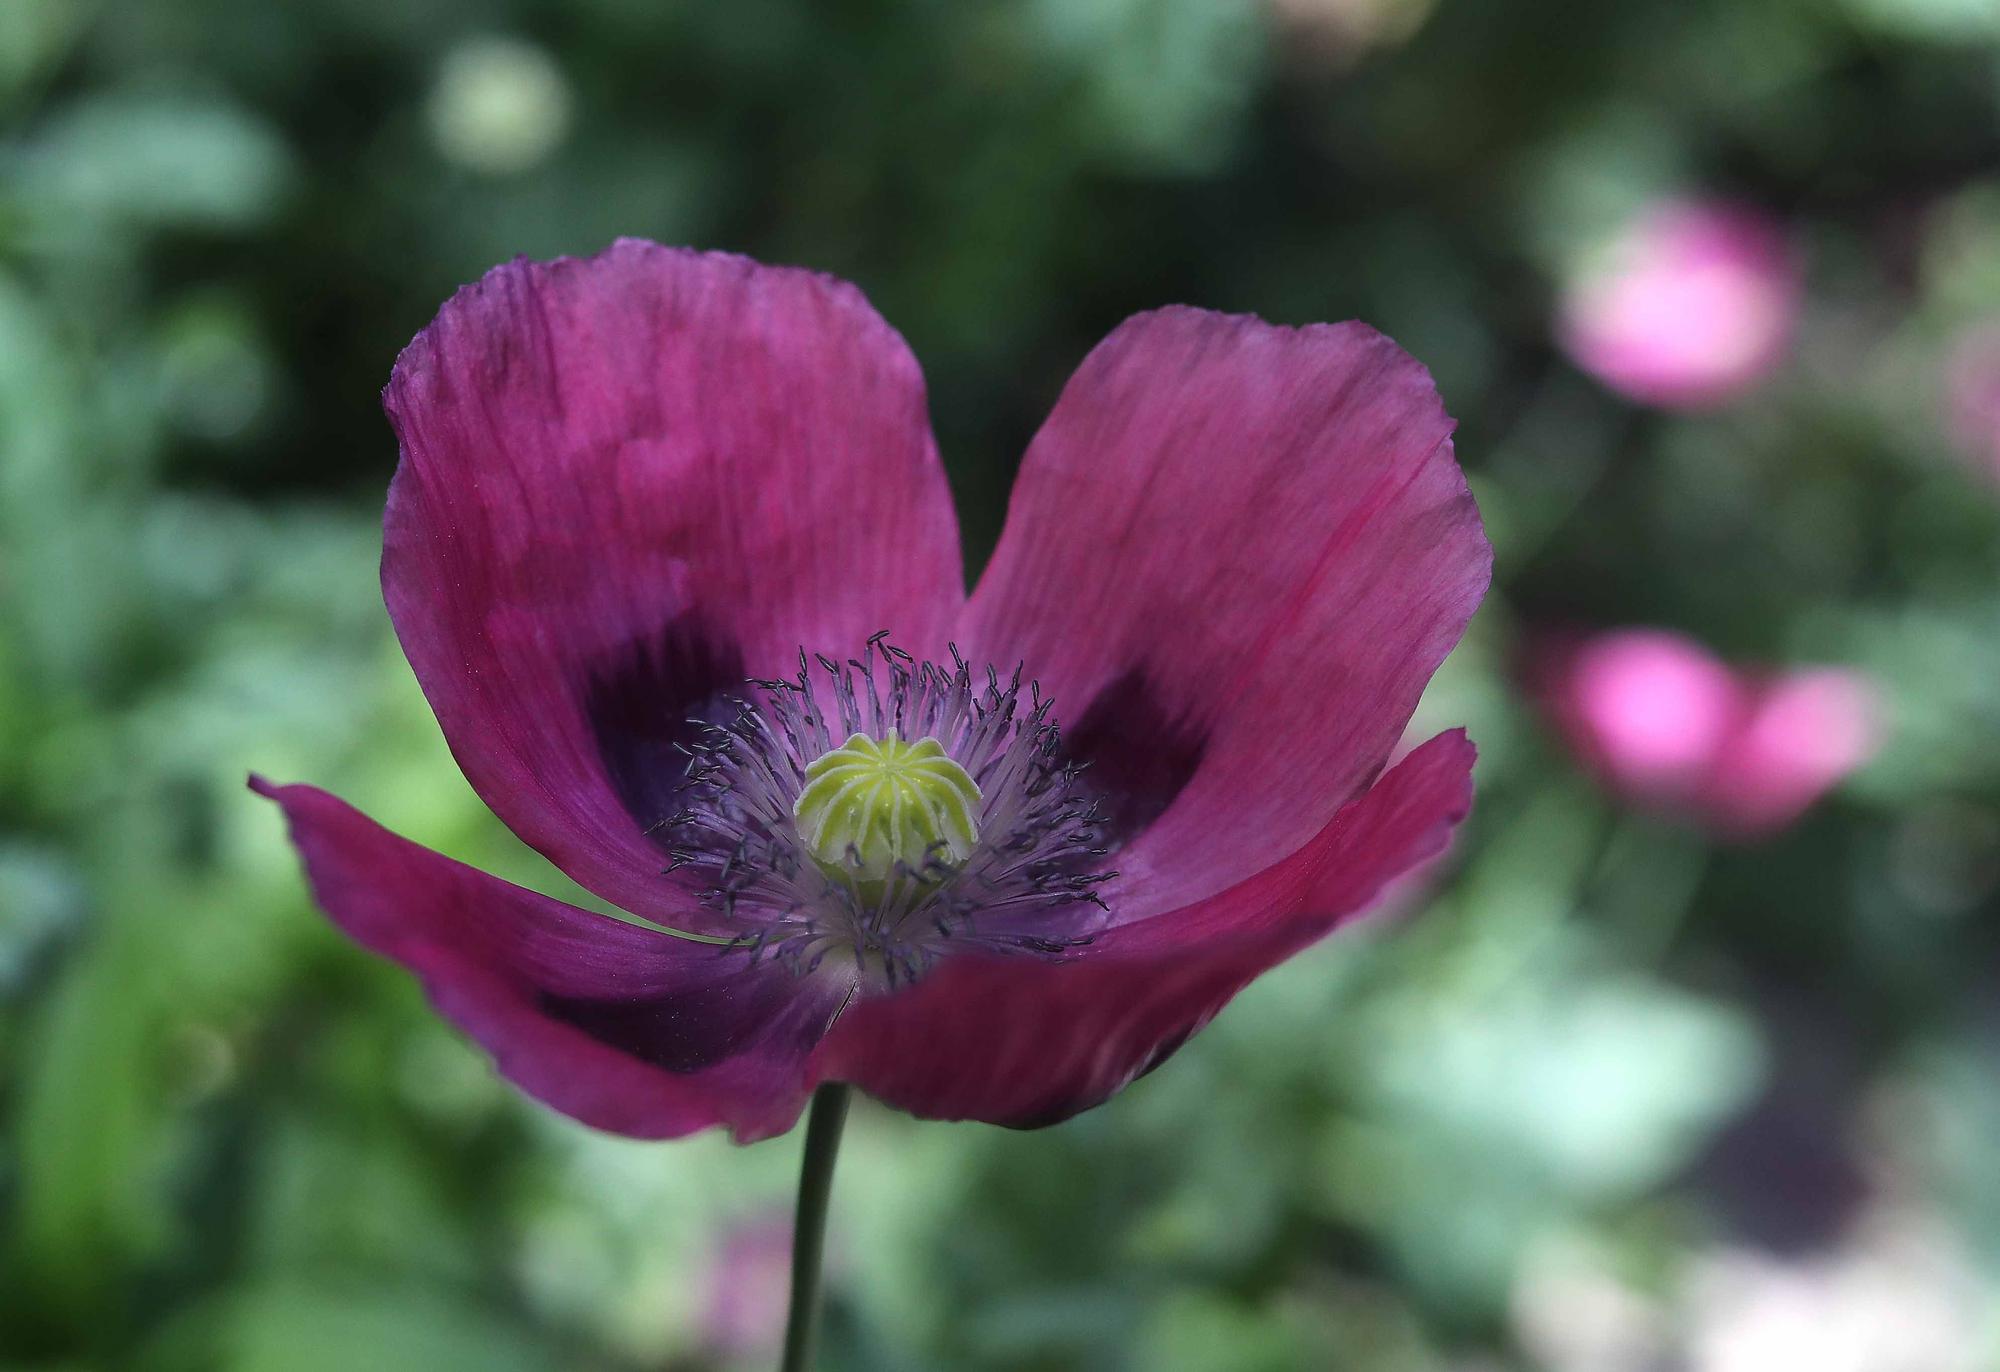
{"type": "Point", "coordinates": [829, 1113]}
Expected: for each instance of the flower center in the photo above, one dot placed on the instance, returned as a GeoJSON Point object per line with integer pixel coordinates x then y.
{"type": "Point", "coordinates": [872, 807]}
{"type": "Point", "coordinates": [979, 834]}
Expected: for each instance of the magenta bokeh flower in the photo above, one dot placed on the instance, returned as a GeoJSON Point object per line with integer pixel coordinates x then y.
{"type": "Point", "coordinates": [1972, 396]}
{"type": "Point", "coordinates": [743, 1290]}
{"type": "Point", "coordinates": [1665, 724]}
{"type": "Point", "coordinates": [656, 511]}
{"type": "Point", "coordinates": [1689, 306]}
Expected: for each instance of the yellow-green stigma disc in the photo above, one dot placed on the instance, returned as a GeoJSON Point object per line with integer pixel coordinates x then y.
{"type": "Point", "coordinates": [871, 804]}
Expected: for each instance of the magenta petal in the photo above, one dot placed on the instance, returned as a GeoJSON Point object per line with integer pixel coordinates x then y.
{"type": "Point", "coordinates": [625, 1028]}
{"type": "Point", "coordinates": [1023, 1042]}
{"type": "Point", "coordinates": [631, 481]}
{"type": "Point", "coordinates": [1235, 554]}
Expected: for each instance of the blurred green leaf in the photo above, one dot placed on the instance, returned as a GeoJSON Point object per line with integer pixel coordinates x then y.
{"type": "Point", "coordinates": [158, 159]}
{"type": "Point", "coordinates": [1940, 21]}
{"type": "Point", "coordinates": [91, 1136]}
{"type": "Point", "coordinates": [307, 1326]}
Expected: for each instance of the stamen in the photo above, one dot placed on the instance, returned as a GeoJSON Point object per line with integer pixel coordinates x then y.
{"type": "Point", "coordinates": [979, 834]}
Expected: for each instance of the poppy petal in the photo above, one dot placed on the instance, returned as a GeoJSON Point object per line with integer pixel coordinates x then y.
{"type": "Point", "coordinates": [629, 482]}
{"type": "Point", "coordinates": [1235, 554]}
{"type": "Point", "coordinates": [622, 1027]}
{"type": "Point", "coordinates": [1023, 1042]}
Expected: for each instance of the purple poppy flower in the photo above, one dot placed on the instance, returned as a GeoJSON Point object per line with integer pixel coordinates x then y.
{"type": "Point", "coordinates": [673, 557]}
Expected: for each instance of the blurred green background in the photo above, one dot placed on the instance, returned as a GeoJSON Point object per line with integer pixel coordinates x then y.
{"type": "Point", "coordinates": [1619, 1099]}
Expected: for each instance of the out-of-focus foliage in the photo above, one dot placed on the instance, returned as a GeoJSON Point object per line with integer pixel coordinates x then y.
{"type": "Point", "coordinates": [1617, 1099]}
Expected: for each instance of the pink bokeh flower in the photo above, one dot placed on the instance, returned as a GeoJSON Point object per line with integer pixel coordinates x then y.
{"type": "Point", "coordinates": [1972, 396]}
{"type": "Point", "coordinates": [1691, 305]}
{"type": "Point", "coordinates": [1665, 724]}
{"type": "Point", "coordinates": [655, 513]}
{"type": "Point", "coordinates": [743, 1290]}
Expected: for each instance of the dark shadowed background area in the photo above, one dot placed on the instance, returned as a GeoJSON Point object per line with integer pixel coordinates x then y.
{"type": "Point", "coordinates": [1683, 1060]}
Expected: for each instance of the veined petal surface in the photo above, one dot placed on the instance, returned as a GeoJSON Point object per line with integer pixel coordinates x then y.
{"type": "Point", "coordinates": [1235, 554]}
{"type": "Point", "coordinates": [623, 1027]}
{"type": "Point", "coordinates": [629, 482]}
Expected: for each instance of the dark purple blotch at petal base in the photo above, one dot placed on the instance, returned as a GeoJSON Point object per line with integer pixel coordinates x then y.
{"type": "Point", "coordinates": [645, 705]}
{"type": "Point", "coordinates": [1138, 757]}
